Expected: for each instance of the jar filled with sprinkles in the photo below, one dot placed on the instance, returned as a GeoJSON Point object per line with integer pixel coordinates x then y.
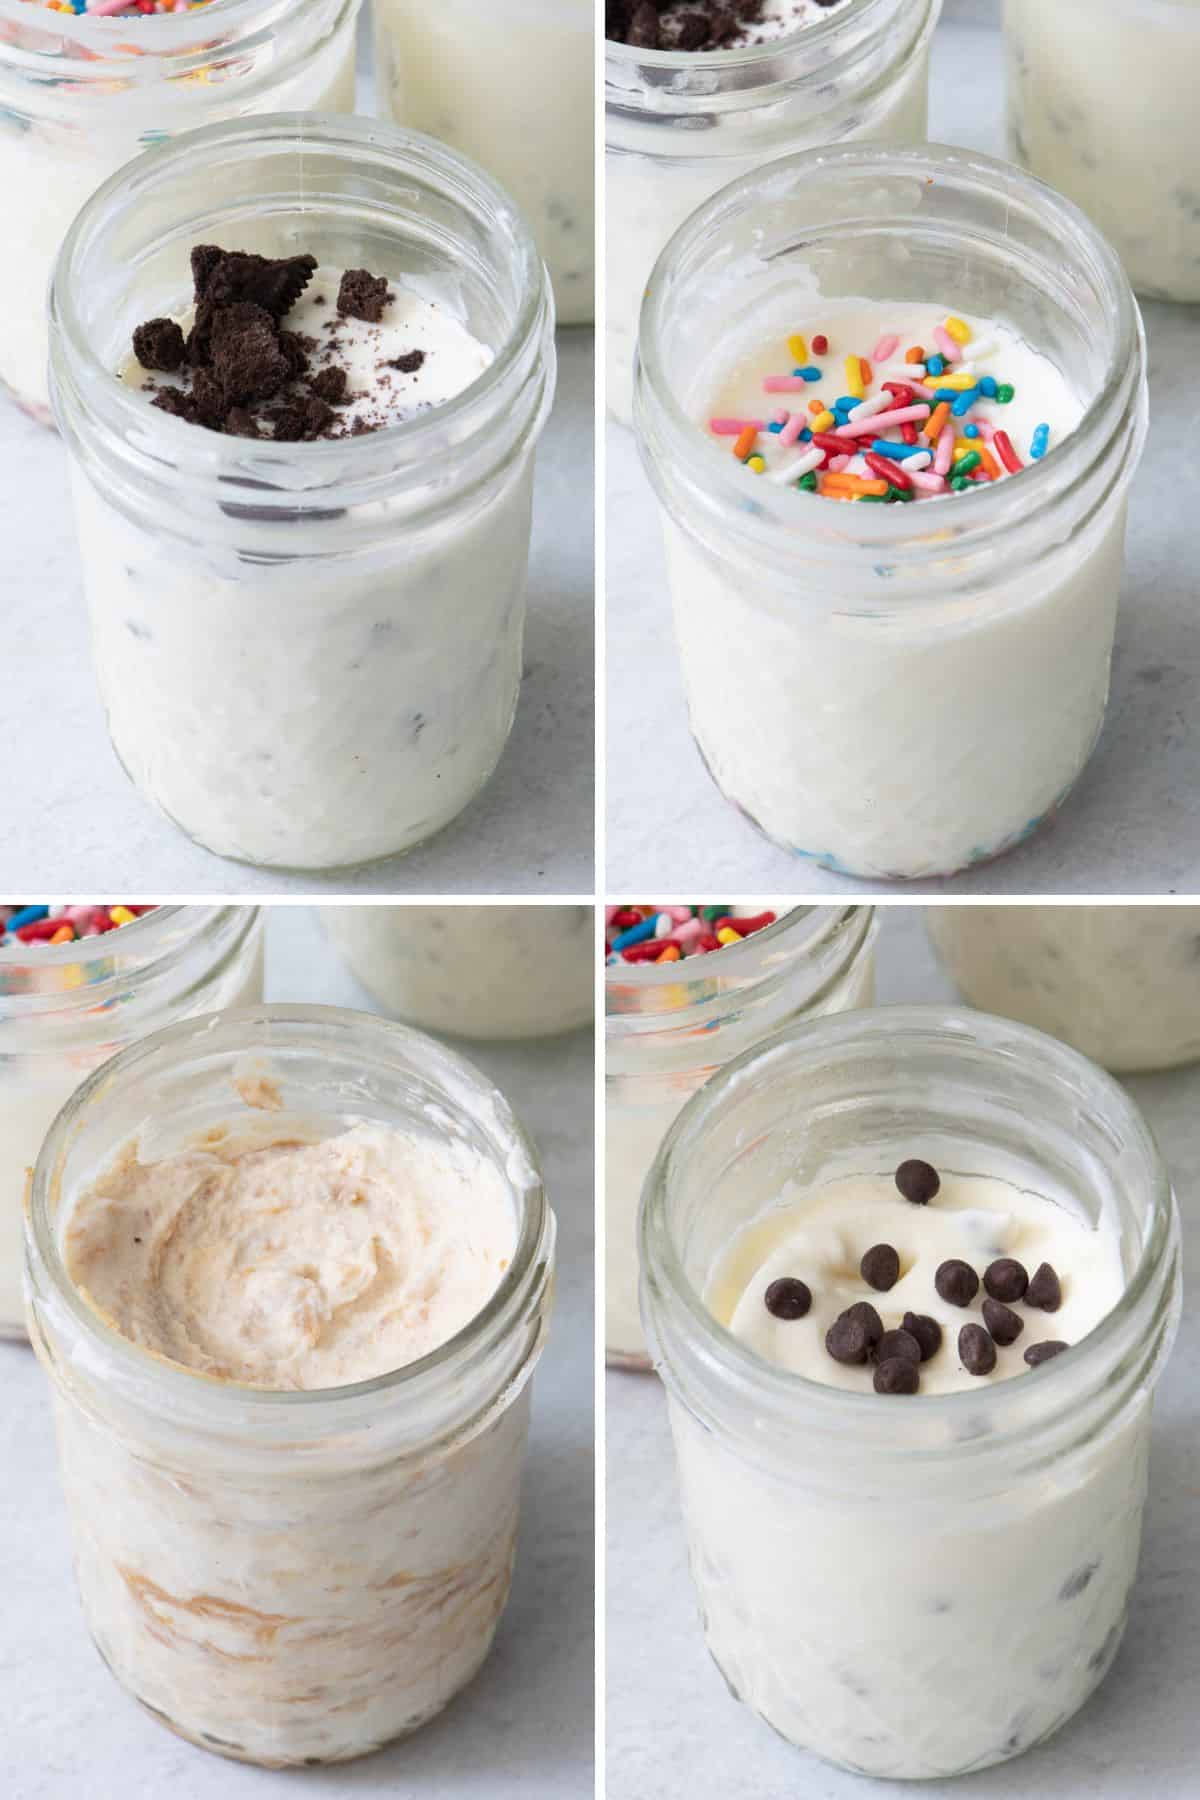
{"type": "Point", "coordinates": [686, 989]}
{"type": "Point", "coordinates": [77, 984]}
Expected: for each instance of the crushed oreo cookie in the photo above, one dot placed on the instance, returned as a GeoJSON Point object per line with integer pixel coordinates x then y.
{"type": "Point", "coordinates": [689, 24]}
{"type": "Point", "coordinates": [409, 363]}
{"type": "Point", "coordinates": [243, 374]}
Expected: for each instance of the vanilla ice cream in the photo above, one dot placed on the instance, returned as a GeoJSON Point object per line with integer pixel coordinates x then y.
{"type": "Point", "coordinates": [462, 70]}
{"type": "Point", "coordinates": [1119, 983]}
{"type": "Point", "coordinates": [1101, 105]}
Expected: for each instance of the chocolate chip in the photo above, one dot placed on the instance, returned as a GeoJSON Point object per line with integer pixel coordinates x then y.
{"type": "Point", "coordinates": [362, 296]}
{"type": "Point", "coordinates": [918, 1181]}
{"type": "Point", "coordinates": [159, 344]}
{"type": "Point", "coordinates": [1044, 1290]}
{"type": "Point", "coordinates": [1040, 1353]}
{"type": "Point", "coordinates": [1005, 1279]}
{"type": "Point", "coordinates": [927, 1332]}
{"type": "Point", "coordinates": [880, 1267]}
{"type": "Point", "coordinates": [956, 1282]}
{"type": "Point", "coordinates": [854, 1333]}
{"type": "Point", "coordinates": [409, 363]}
{"type": "Point", "coordinates": [330, 385]}
{"type": "Point", "coordinates": [898, 1375]}
{"type": "Point", "coordinates": [898, 1343]}
{"type": "Point", "coordinates": [787, 1298]}
{"type": "Point", "coordinates": [1004, 1324]}
{"type": "Point", "coordinates": [976, 1351]}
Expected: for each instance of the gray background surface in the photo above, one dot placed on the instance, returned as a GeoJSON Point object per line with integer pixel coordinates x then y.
{"type": "Point", "coordinates": [71, 820]}
{"type": "Point", "coordinates": [67, 1732]}
{"type": "Point", "coordinates": [1133, 822]}
{"type": "Point", "coordinates": [675, 1733]}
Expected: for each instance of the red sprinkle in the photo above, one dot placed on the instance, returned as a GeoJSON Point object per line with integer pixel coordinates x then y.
{"type": "Point", "coordinates": [820, 344]}
{"type": "Point", "coordinates": [1002, 443]}
{"type": "Point", "coordinates": [905, 396]}
{"type": "Point", "coordinates": [708, 940]}
{"type": "Point", "coordinates": [745, 926]}
{"type": "Point", "coordinates": [908, 433]}
{"type": "Point", "coordinates": [888, 470]}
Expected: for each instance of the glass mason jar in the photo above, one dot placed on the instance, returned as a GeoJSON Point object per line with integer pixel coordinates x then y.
{"type": "Point", "coordinates": [80, 96]}
{"type": "Point", "coordinates": [668, 1027]}
{"type": "Point", "coordinates": [895, 691]}
{"type": "Point", "coordinates": [1119, 983]}
{"type": "Point", "coordinates": [66, 1008]}
{"type": "Point", "coordinates": [922, 1588]}
{"type": "Point", "coordinates": [682, 124]}
{"type": "Point", "coordinates": [383, 576]}
{"type": "Point", "coordinates": [1079, 119]}
{"type": "Point", "coordinates": [475, 971]}
{"type": "Point", "coordinates": [510, 83]}
{"type": "Point", "coordinates": [290, 1576]}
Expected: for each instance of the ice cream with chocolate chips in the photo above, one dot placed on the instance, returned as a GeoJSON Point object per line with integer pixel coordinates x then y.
{"type": "Point", "coordinates": [709, 24]}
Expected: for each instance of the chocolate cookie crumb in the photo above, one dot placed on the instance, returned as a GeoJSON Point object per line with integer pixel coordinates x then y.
{"type": "Point", "coordinates": [274, 283]}
{"type": "Point", "coordinates": [363, 296]}
{"type": "Point", "coordinates": [330, 386]}
{"type": "Point", "coordinates": [409, 363]}
{"type": "Point", "coordinates": [159, 344]}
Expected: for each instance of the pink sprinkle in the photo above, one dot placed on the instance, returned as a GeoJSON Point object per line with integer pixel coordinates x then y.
{"type": "Point", "coordinates": [791, 431]}
{"type": "Point", "coordinates": [784, 384]}
{"type": "Point", "coordinates": [735, 427]}
{"type": "Point", "coordinates": [945, 450]}
{"type": "Point", "coordinates": [903, 415]}
{"type": "Point", "coordinates": [987, 432]}
{"type": "Point", "coordinates": [946, 344]}
{"type": "Point", "coordinates": [680, 914]}
{"type": "Point", "coordinates": [926, 482]}
{"type": "Point", "coordinates": [610, 913]}
{"type": "Point", "coordinates": [781, 418]}
{"type": "Point", "coordinates": [687, 933]}
{"type": "Point", "coordinates": [887, 346]}
{"type": "Point", "coordinates": [838, 463]}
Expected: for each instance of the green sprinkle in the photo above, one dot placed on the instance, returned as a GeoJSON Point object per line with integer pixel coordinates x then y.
{"type": "Point", "coordinates": [1005, 392]}
{"type": "Point", "coordinates": [808, 483]}
{"type": "Point", "coordinates": [714, 912]}
{"type": "Point", "coordinates": [971, 460]}
{"type": "Point", "coordinates": [959, 482]}
{"type": "Point", "coordinates": [871, 499]}
{"type": "Point", "coordinates": [895, 493]}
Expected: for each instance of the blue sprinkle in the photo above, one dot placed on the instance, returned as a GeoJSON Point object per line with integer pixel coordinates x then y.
{"type": "Point", "coordinates": [881, 447]}
{"type": "Point", "coordinates": [845, 403]}
{"type": "Point", "coordinates": [987, 385]}
{"type": "Point", "coordinates": [1041, 438]}
{"type": "Point", "coordinates": [964, 403]}
{"type": "Point", "coordinates": [808, 374]}
{"type": "Point", "coordinates": [637, 934]}
{"type": "Point", "coordinates": [773, 426]}
{"type": "Point", "coordinates": [806, 436]}
{"type": "Point", "coordinates": [29, 915]}
{"type": "Point", "coordinates": [968, 431]}
{"type": "Point", "coordinates": [950, 394]}
{"type": "Point", "coordinates": [935, 365]}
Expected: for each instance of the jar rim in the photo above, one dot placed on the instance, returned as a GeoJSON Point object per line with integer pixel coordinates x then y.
{"type": "Point", "coordinates": [178, 1384]}
{"type": "Point", "coordinates": [730, 1360]}
{"type": "Point", "coordinates": [168, 34]}
{"type": "Point", "coordinates": [377, 462]}
{"type": "Point", "coordinates": [966, 522]}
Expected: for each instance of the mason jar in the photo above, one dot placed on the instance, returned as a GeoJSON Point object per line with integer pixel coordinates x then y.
{"type": "Point", "coordinates": [668, 1027]}
{"type": "Point", "coordinates": [510, 83]}
{"type": "Point", "coordinates": [66, 1008]}
{"type": "Point", "coordinates": [475, 971]}
{"type": "Point", "coordinates": [894, 691]}
{"type": "Point", "coordinates": [290, 1576]}
{"type": "Point", "coordinates": [924, 1587]}
{"type": "Point", "coordinates": [309, 653]}
{"type": "Point", "coordinates": [80, 96]}
{"type": "Point", "coordinates": [1102, 106]}
{"type": "Point", "coordinates": [1119, 983]}
{"type": "Point", "coordinates": [682, 124]}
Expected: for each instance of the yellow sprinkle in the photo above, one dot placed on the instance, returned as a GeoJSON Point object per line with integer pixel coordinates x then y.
{"type": "Point", "coordinates": [727, 935]}
{"type": "Point", "coordinates": [960, 382]}
{"type": "Point", "coordinates": [121, 915]}
{"type": "Point", "coordinates": [964, 446]}
{"type": "Point", "coordinates": [756, 463]}
{"type": "Point", "coordinates": [854, 384]}
{"type": "Point", "coordinates": [798, 348]}
{"type": "Point", "coordinates": [824, 422]}
{"type": "Point", "coordinates": [959, 330]}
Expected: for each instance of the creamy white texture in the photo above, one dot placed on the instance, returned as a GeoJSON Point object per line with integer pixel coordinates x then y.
{"type": "Point", "coordinates": [378, 393]}
{"type": "Point", "coordinates": [923, 1628]}
{"type": "Point", "coordinates": [335, 708]}
{"type": "Point", "coordinates": [917, 743]}
{"type": "Point", "coordinates": [292, 1264]}
{"type": "Point", "coordinates": [1102, 106]}
{"type": "Point", "coordinates": [820, 1237]}
{"type": "Point", "coordinates": [54, 156]}
{"type": "Point", "coordinates": [1119, 983]}
{"type": "Point", "coordinates": [474, 971]}
{"type": "Point", "coordinates": [656, 178]}
{"type": "Point", "coordinates": [509, 83]}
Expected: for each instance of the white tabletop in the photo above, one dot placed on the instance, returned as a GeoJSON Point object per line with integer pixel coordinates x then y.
{"type": "Point", "coordinates": [675, 1733]}
{"type": "Point", "coordinates": [1133, 822]}
{"type": "Point", "coordinates": [70, 820]}
{"type": "Point", "coordinates": [526, 1723]}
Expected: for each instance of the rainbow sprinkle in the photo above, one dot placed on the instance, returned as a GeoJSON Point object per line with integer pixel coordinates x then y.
{"type": "Point", "coordinates": [124, 9]}
{"type": "Point", "coordinates": [21, 924]}
{"type": "Point", "coordinates": [667, 934]}
{"type": "Point", "coordinates": [925, 432]}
